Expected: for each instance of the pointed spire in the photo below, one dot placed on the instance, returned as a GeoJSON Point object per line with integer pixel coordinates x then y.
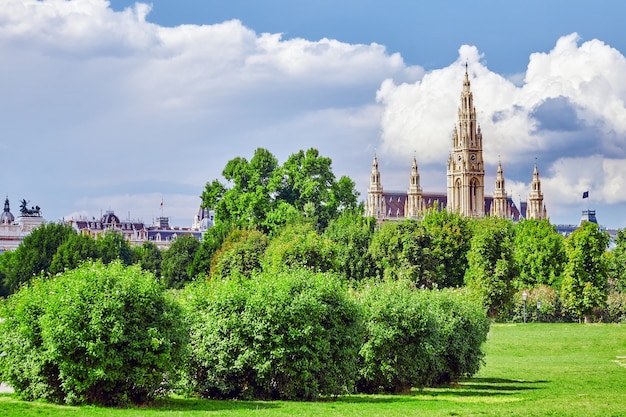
{"type": "Point", "coordinates": [413, 205]}
{"type": "Point", "coordinates": [375, 205]}
{"type": "Point", "coordinates": [375, 184]}
{"type": "Point", "coordinates": [466, 81]}
{"type": "Point", "coordinates": [535, 200]}
{"type": "Point", "coordinates": [6, 217]}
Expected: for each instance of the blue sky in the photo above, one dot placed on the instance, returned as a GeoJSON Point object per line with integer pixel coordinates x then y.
{"type": "Point", "coordinates": [117, 105]}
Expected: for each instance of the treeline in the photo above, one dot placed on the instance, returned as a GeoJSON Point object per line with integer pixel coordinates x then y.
{"type": "Point", "coordinates": [270, 217]}
{"type": "Point", "coordinates": [293, 294]}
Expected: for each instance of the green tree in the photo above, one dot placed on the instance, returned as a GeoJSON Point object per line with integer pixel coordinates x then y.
{"type": "Point", "coordinates": [617, 263]}
{"type": "Point", "coordinates": [241, 254]}
{"type": "Point", "coordinates": [539, 253]}
{"type": "Point", "coordinates": [7, 260]}
{"type": "Point", "coordinates": [260, 193]}
{"type": "Point", "coordinates": [34, 255]}
{"type": "Point", "coordinates": [385, 249]}
{"type": "Point", "coordinates": [148, 256]}
{"type": "Point", "coordinates": [300, 246]}
{"type": "Point", "coordinates": [211, 243]}
{"type": "Point", "coordinates": [403, 250]}
{"type": "Point", "coordinates": [287, 335]}
{"type": "Point", "coordinates": [247, 202]}
{"type": "Point", "coordinates": [307, 181]}
{"type": "Point", "coordinates": [177, 263]}
{"type": "Point", "coordinates": [491, 266]}
{"type": "Point", "coordinates": [584, 284]}
{"type": "Point", "coordinates": [352, 234]}
{"type": "Point", "coordinates": [111, 246]}
{"type": "Point", "coordinates": [74, 251]}
{"type": "Point", "coordinates": [451, 235]}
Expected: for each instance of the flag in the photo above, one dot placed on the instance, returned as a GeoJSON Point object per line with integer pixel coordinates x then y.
{"type": "Point", "coordinates": [586, 194]}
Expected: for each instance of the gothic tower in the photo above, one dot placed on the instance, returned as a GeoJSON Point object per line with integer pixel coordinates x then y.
{"type": "Point", "coordinates": [375, 206]}
{"type": "Point", "coordinates": [414, 194]}
{"type": "Point", "coordinates": [466, 169]}
{"type": "Point", "coordinates": [500, 206]}
{"type": "Point", "coordinates": [536, 209]}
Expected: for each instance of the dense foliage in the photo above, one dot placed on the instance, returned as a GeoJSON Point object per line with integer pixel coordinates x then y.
{"type": "Point", "coordinates": [491, 267]}
{"type": "Point", "coordinates": [539, 253]}
{"type": "Point", "coordinates": [293, 294]}
{"type": "Point", "coordinates": [103, 334]}
{"type": "Point", "coordinates": [585, 279]}
{"type": "Point", "coordinates": [34, 255]}
{"type": "Point", "coordinates": [177, 262]}
{"type": "Point", "coordinates": [352, 234]}
{"type": "Point", "coordinates": [240, 254]}
{"type": "Point", "coordinates": [265, 195]}
{"type": "Point", "coordinates": [417, 338]}
{"type": "Point", "coordinates": [290, 336]}
{"type": "Point", "coordinates": [300, 246]}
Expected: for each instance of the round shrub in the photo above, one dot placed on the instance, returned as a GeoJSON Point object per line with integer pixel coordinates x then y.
{"type": "Point", "coordinates": [400, 339]}
{"type": "Point", "coordinates": [416, 338]}
{"type": "Point", "coordinates": [102, 334]}
{"type": "Point", "coordinates": [294, 335]}
{"type": "Point", "coordinates": [462, 324]}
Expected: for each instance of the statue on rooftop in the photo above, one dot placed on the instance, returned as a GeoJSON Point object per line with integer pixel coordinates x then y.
{"type": "Point", "coordinates": [32, 212]}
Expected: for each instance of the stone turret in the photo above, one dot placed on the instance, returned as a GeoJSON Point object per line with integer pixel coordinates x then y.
{"type": "Point", "coordinates": [500, 206]}
{"type": "Point", "coordinates": [414, 194]}
{"type": "Point", "coordinates": [536, 209]}
{"type": "Point", "coordinates": [375, 206]}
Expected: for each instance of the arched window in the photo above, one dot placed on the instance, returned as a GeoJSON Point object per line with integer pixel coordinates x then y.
{"type": "Point", "coordinates": [473, 197]}
{"type": "Point", "coordinates": [457, 195]}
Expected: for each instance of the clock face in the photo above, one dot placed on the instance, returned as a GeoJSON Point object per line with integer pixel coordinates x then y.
{"type": "Point", "coordinates": [459, 157]}
{"type": "Point", "coordinates": [473, 157]}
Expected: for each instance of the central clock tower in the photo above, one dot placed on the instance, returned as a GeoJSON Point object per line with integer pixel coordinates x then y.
{"type": "Point", "coordinates": [466, 169]}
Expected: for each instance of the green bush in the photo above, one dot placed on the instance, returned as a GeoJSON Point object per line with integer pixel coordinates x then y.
{"type": "Point", "coordinates": [418, 338]}
{"type": "Point", "coordinates": [400, 339]}
{"type": "Point", "coordinates": [615, 311]}
{"type": "Point", "coordinates": [287, 336]}
{"type": "Point", "coordinates": [102, 334]}
{"type": "Point", "coordinates": [300, 246]}
{"type": "Point", "coordinates": [463, 326]}
{"type": "Point", "coordinates": [241, 253]}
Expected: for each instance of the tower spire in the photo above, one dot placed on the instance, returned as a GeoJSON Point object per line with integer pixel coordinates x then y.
{"type": "Point", "coordinates": [466, 170]}
{"type": "Point", "coordinates": [414, 194]}
{"type": "Point", "coordinates": [375, 206]}
{"type": "Point", "coordinates": [536, 209]}
{"type": "Point", "coordinates": [500, 206]}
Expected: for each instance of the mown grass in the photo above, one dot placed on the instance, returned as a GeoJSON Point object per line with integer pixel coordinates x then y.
{"type": "Point", "coordinates": [531, 370]}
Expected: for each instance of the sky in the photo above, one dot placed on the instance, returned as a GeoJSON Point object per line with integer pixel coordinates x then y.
{"type": "Point", "coordinates": [117, 105]}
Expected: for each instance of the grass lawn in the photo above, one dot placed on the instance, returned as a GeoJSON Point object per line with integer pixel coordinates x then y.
{"type": "Point", "coordinates": [531, 370]}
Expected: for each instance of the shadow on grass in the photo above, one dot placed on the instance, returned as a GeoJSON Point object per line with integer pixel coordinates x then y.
{"type": "Point", "coordinates": [197, 404]}
{"type": "Point", "coordinates": [477, 387]}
